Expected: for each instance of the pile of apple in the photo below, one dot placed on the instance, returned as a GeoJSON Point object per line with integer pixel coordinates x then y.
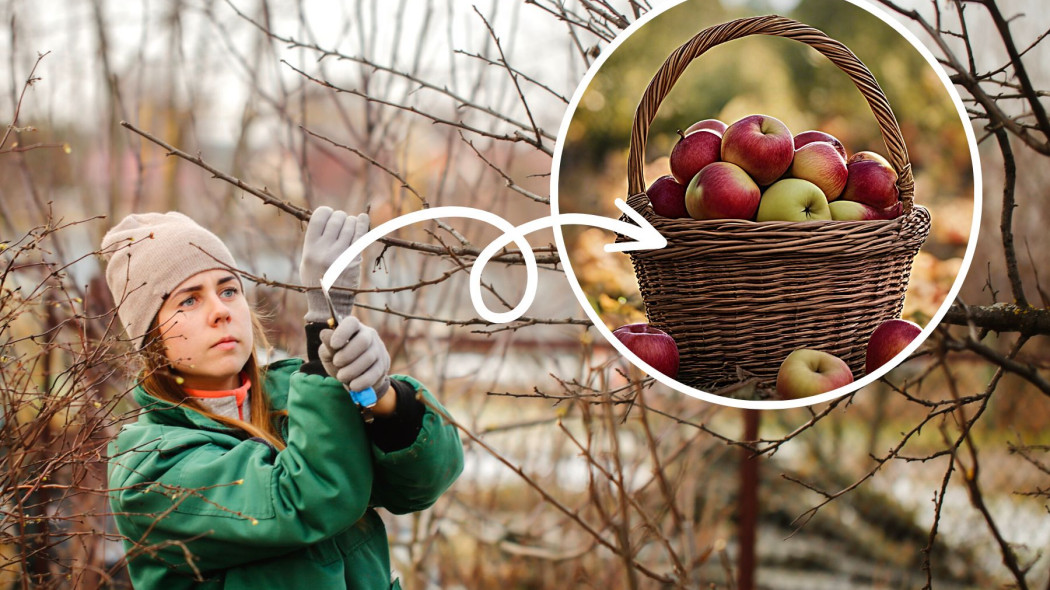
{"type": "Point", "coordinates": [803, 373]}
{"type": "Point", "coordinates": [755, 169]}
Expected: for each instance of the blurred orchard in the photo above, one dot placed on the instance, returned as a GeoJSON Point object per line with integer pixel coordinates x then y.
{"type": "Point", "coordinates": [581, 471]}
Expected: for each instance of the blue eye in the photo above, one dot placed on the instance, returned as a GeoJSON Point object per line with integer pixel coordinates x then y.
{"type": "Point", "coordinates": [188, 301]}
{"type": "Point", "coordinates": [229, 292]}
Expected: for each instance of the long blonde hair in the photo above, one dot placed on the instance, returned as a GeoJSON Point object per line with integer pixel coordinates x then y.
{"type": "Point", "coordinates": [159, 380]}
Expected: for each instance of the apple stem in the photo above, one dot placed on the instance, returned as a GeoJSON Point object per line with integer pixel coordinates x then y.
{"type": "Point", "coordinates": [680, 134]}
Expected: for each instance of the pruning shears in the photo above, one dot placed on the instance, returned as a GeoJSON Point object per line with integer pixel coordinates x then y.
{"type": "Point", "coordinates": [366, 398]}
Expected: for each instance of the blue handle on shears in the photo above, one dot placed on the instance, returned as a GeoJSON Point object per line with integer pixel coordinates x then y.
{"type": "Point", "coordinates": [365, 398]}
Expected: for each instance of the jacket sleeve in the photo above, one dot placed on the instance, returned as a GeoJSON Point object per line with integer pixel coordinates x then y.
{"type": "Point", "coordinates": [412, 478]}
{"type": "Point", "coordinates": [198, 505]}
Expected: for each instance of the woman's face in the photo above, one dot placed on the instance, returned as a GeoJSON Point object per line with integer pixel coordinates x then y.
{"type": "Point", "coordinates": [206, 329]}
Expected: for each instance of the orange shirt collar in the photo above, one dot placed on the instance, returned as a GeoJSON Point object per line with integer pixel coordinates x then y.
{"type": "Point", "coordinates": [240, 393]}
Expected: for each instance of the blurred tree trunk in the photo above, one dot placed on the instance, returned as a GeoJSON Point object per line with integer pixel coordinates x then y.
{"type": "Point", "coordinates": [749, 508]}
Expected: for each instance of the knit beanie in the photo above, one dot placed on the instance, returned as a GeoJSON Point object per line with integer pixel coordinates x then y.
{"type": "Point", "coordinates": [149, 255]}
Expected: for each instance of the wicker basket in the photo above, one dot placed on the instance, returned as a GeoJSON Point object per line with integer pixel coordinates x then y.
{"type": "Point", "coordinates": [738, 296]}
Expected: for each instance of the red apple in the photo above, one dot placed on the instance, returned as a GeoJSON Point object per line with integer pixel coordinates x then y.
{"type": "Point", "coordinates": [871, 182]}
{"type": "Point", "coordinates": [886, 342]}
{"type": "Point", "coordinates": [861, 156]}
{"type": "Point", "coordinates": [693, 152]}
{"type": "Point", "coordinates": [761, 145]}
{"type": "Point", "coordinates": [807, 372]}
{"type": "Point", "coordinates": [652, 345]}
{"type": "Point", "coordinates": [893, 211]}
{"type": "Point", "coordinates": [807, 137]}
{"type": "Point", "coordinates": [820, 163]}
{"type": "Point", "coordinates": [712, 124]}
{"type": "Point", "coordinates": [854, 211]}
{"type": "Point", "coordinates": [667, 197]}
{"type": "Point", "coordinates": [793, 199]}
{"type": "Point", "coordinates": [722, 191]}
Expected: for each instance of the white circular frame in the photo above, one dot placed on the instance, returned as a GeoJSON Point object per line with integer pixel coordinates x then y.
{"type": "Point", "coordinates": [559, 238]}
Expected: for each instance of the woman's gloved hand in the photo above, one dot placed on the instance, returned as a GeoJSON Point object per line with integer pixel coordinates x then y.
{"type": "Point", "coordinates": [354, 354]}
{"type": "Point", "coordinates": [328, 235]}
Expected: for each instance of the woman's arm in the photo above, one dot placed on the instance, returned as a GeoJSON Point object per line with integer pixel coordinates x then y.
{"type": "Point", "coordinates": [412, 478]}
{"type": "Point", "coordinates": [417, 455]}
{"type": "Point", "coordinates": [226, 502]}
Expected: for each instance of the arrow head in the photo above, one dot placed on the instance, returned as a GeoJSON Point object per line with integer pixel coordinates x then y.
{"type": "Point", "coordinates": [646, 237]}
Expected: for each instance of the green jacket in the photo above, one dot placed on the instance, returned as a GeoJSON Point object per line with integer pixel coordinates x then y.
{"type": "Point", "coordinates": [202, 507]}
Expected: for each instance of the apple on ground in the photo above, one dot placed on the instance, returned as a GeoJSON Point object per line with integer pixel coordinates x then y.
{"type": "Point", "coordinates": [761, 145]}
{"type": "Point", "coordinates": [854, 211]}
{"type": "Point", "coordinates": [712, 124]}
{"type": "Point", "coordinates": [667, 197]}
{"type": "Point", "coordinates": [722, 191]}
{"type": "Point", "coordinates": [807, 372]}
{"type": "Point", "coordinates": [871, 182]}
{"type": "Point", "coordinates": [792, 199]}
{"type": "Point", "coordinates": [694, 151]}
{"type": "Point", "coordinates": [807, 137]}
{"type": "Point", "coordinates": [886, 342]}
{"type": "Point", "coordinates": [865, 155]}
{"type": "Point", "coordinates": [652, 345]}
{"type": "Point", "coordinates": [820, 163]}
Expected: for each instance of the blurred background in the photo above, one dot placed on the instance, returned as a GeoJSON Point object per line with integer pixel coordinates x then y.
{"type": "Point", "coordinates": [580, 469]}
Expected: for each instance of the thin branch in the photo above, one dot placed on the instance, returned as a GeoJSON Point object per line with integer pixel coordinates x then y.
{"type": "Point", "coordinates": [513, 77]}
{"type": "Point", "coordinates": [972, 84]}
{"type": "Point", "coordinates": [547, 497]}
{"type": "Point", "coordinates": [506, 178]}
{"type": "Point", "coordinates": [415, 80]}
{"type": "Point", "coordinates": [30, 80]}
{"type": "Point", "coordinates": [518, 136]}
{"type": "Point", "coordinates": [1026, 371]}
{"type": "Point", "coordinates": [404, 183]}
{"type": "Point", "coordinates": [1019, 67]}
{"type": "Point", "coordinates": [522, 75]}
{"type": "Point", "coordinates": [1001, 317]}
{"type": "Point", "coordinates": [1006, 219]}
{"type": "Point", "coordinates": [509, 257]}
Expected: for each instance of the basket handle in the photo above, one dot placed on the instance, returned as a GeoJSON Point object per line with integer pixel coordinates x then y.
{"type": "Point", "coordinates": [779, 26]}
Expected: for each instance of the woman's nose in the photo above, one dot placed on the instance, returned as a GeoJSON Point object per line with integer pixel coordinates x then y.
{"type": "Point", "coordinates": [218, 311]}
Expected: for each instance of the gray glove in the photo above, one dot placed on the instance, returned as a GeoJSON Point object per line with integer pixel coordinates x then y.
{"type": "Point", "coordinates": [328, 235]}
{"type": "Point", "coordinates": [354, 354]}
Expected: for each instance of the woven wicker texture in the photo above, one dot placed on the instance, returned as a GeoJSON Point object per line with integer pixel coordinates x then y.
{"type": "Point", "coordinates": [738, 296]}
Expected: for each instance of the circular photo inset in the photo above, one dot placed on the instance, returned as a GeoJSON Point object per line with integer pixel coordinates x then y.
{"type": "Point", "coordinates": [814, 176]}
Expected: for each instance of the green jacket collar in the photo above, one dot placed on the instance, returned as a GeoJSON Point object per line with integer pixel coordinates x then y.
{"type": "Point", "coordinates": [157, 411]}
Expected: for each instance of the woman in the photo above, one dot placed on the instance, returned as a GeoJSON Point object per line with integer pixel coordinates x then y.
{"type": "Point", "coordinates": [242, 476]}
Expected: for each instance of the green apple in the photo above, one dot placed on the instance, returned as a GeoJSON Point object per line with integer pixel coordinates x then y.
{"type": "Point", "coordinates": [793, 199]}
{"type": "Point", "coordinates": [807, 372]}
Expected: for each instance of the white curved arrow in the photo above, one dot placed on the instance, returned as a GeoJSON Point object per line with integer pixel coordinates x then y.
{"type": "Point", "coordinates": [645, 237]}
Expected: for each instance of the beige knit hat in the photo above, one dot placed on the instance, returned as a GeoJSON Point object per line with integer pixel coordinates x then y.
{"type": "Point", "coordinates": [149, 255]}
